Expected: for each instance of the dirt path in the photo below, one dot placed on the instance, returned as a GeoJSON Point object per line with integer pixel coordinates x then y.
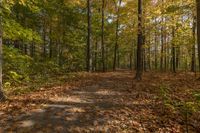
{"type": "Point", "coordinates": [109, 102]}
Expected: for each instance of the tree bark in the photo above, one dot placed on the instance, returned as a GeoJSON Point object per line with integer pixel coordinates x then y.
{"type": "Point", "coordinates": [50, 42]}
{"type": "Point", "coordinates": [193, 60]}
{"type": "Point", "coordinates": [102, 36]}
{"type": "Point", "coordinates": [88, 60]}
{"type": "Point", "coordinates": [140, 42]}
{"type": "Point", "coordinates": [156, 52]}
{"type": "Point", "coordinates": [198, 28]}
{"type": "Point", "coordinates": [173, 52]}
{"type": "Point", "coordinates": [44, 42]}
{"type": "Point", "coordinates": [149, 52]}
{"type": "Point", "coordinates": [2, 96]}
{"type": "Point", "coordinates": [162, 48]}
{"type": "Point", "coordinates": [117, 35]}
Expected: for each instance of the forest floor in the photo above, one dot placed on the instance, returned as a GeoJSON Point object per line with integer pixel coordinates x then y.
{"type": "Point", "coordinates": [111, 102]}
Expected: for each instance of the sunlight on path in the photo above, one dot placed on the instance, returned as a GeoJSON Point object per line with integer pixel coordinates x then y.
{"type": "Point", "coordinates": [28, 123]}
{"type": "Point", "coordinates": [107, 105]}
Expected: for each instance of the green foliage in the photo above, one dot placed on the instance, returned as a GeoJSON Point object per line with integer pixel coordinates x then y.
{"type": "Point", "coordinates": [16, 66]}
{"type": "Point", "coordinates": [197, 96]}
{"type": "Point", "coordinates": [164, 94]}
{"type": "Point", "coordinates": [14, 31]}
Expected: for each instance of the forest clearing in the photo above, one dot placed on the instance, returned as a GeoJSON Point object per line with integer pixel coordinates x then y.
{"type": "Point", "coordinates": [99, 66]}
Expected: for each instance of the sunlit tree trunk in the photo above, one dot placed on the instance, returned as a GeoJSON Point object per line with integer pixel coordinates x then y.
{"type": "Point", "coordinates": [140, 42]}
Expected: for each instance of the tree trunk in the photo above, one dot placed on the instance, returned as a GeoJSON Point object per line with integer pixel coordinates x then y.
{"type": "Point", "coordinates": [44, 41]}
{"type": "Point", "coordinates": [156, 52]}
{"type": "Point", "coordinates": [88, 60]}
{"type": "Point", "coordinates": [32, 49]}
{"type": "Point", "coordinates": [131, 61]}
{"type": "Point", "coordinates": [173, 52]}
{"type": "Point", "coordinates": [144, 60]}
{"type": "Point", "coordinates": [140, 42]}
{"type": "Point", "coordinates": [162, 48]}
{"type": "Point", "coordinates": [165, 51]}
{"type": "Point", "coordinates": [95, 55]}
{"type": "Point", "coordinates": [162, 39]}
{"type": "Point", "coordinates": [198, 28]}
{"type": "Point", "coordinates": [2, 96]}
{"type": "Point", "coordinates": [193, 60]}
{"type": "Point", "coordinates": [102, 36]}
{"type": "Point", "coordinates": [177, 57]}
{"type": "Point", "coordinates": [117, 35]}
{"type": "Point", "coordinates": [50, 42]}
{"type": "Point", "coordinates": [144, 51]}
{"type": "Point", "coordinates": [149, 51]}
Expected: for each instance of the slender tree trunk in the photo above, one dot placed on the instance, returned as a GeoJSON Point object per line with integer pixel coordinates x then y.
{"type": "Point", "coordinates": [149, 51]}
{"type": "Point", "coordinates": [144, 60]}
{"type": "Point", "coordinates": [95, 55]}
{"type": "Point", "coordinates": [50, 42]}
{"type": "Point", "coordinates": [162, 48]}
{"type": "Point", "coordinates": [168, 53]}
{"type": "Point", "coordinates": [25, 49]}
{"type": "Point", "coordinates": [156, 52]}
{"type": "Point", "coordinates": [118, 58]}
{"type": "Point", "coordinates": [198, 28]}
{"type": "Point", "coordinates": [144, 51]}
{"type": "Point", "coordinates": [44, 42]}
{"type": "Point", "coordinates": [163, 41]}
{"type": "Point", "coordinates": [135, 58]}
{"type": "Point", "coordinates": [140, 42]}
{"type": "Point", "coordinates": [177, 58]}
{"type": "Point", "coordinates": [132, 56]}
{"type": "Point", "coordinates": [131, 61]}
{"type": "Point", "coordinates": [102, 36]}
{"type": "Point", "coordinates": [88, 61]}
{"type": "Point", "coordinates": [165, 51]}
{"type": "Point", "coordinates": [193, 60]}
{"type": "Point", "coordinates": [32, 49]}
{"type": "Point", "coordinates": [2, 96]}
{"type": "Point", "coordinates": [173, 52]}
{"type": "Point", "coordinates": [58, 51]}
{"type": "Point", "coordinates": [117, 34]}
